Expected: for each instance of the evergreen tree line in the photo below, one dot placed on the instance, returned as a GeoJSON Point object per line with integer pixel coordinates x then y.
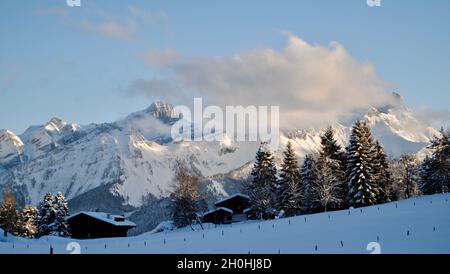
{"type": "Point", "coordinates": [337, 178]}
{"type": "Point", "coordinates": [49, 218]}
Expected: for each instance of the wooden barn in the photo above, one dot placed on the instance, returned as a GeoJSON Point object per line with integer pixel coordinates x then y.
{"type": "Point", "coordinates": [91, 225]}
{"type": "Point", "coordinates": [229, 210]}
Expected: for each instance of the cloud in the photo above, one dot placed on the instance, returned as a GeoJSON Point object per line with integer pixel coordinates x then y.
{"type": "Point", "coordinates": [162, 58]}
{"type": "Point", "coordinates": [148, 16]}
{"type": "Point", "coordinates": [111, 29]}
{"type": "Point", "coordinates": [313, 85]}
{"type": "Point", "coordinates": [158, 89]}
{"type": "Point", "coordinates": [106, 24]}
{"type": "Point", "coordinates": [435, 117]}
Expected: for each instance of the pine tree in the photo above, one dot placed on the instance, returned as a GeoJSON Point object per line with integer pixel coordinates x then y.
{"type": "Point", "coordinates": [429, 183]}
{"type": "Point", "coordinates": [9, 215]}
{"type": "Point", "coordinates": [289, 197]}
{"type": "Point", "coordinates": [332, 152]}
{"type": "Point", "coordinates": [363, 190]}
{"type": "Point", "coordinates": [308, 178]}
{"type": "Point", "coordinates": [382, 173]}
{"type": "Point", "coordinates": [187, 201]}
{"type": "Point", "coordinates": [440, 145]}
{"type": "Point", "coordinates": [327, 187]}
{"type": "Point", "coordinates": [262, 189]}
{"type": "Point", "coordinates": [27, 222]}
{"type": "Point", "coordinates": [60, 227]}
{"type": "Point", "coordinates": [330, 147]}
{"type": "Point", "coordinates": [45, 216]}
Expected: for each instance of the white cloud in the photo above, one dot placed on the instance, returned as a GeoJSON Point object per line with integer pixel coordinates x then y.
{"type": "Point", "coordinates": [162, 58]}
{"type": "Point", "coordinates": [148, 16]}
{"type": "Point", "coordinates": [435, 117]}
{"type": "Point", "coordinates": [312, 84]}
{"type": "Point", "coordinates": [106, 24]}
{"type": "Point", "coordinates": [111, 29]}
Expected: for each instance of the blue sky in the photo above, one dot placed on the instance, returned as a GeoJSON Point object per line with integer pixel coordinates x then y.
{"type": "Point", "coordinates": [75, 63]}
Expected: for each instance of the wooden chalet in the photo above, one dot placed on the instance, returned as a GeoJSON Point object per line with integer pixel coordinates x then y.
{"type": "Point", "coordinates": [229, 210]}
{"type": "Point", "coordinates": [91, 225]}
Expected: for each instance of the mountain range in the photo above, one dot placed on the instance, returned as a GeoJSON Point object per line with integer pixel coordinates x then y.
{"type": "Point", "coordinates": [128, 166]}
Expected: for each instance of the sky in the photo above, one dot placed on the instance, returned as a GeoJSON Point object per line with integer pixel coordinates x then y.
{"type": "Point", "coordinates": [322, 58]}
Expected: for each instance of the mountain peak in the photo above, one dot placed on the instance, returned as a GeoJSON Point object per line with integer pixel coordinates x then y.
{"type": "Point", "coordinates": [10, 146]}
{"type": "Point", "coordinates": [55, 124]}
{"type": "Point", "coordinates": [160, 109]}
{"type": "Point", "coordinates": [373, 112]}
{"type": "Point", "coordinates": [5, 133]}
{"type": "Point", "coordinates": [397, 96]}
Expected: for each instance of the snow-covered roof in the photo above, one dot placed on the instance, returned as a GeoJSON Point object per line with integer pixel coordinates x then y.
{"type": "Point", "coordinates": [233, 196]}
{"type": "Point", "coordinates": [219, 209]}
{"type": "Point", "coordinates": [105, 217]}
{"type": "Point", "coordinates": [248, 209]}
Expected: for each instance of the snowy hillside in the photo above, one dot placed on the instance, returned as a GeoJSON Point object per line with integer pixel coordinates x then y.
{"type": "Point", "coordinates": [416, 225]}
{"type": "Point", "coordinates": [118, 166]}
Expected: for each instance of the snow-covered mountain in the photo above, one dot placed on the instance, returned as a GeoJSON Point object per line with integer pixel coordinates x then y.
{"type": "Point", "coordinates": [122, 165]}
{"type": "Point", "coordinates": [11, 148]}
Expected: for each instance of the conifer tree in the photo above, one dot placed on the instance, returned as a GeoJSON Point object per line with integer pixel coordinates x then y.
{"type": "Point", "coordinates": [60, 227]}
{"type": "Point", "coordinates": [308, 178]}
{"type": "Point", "coordinates": [440, 145]}
{"type": "Point", "coordinates": [382, 173]}
{"type": "Point", "coordinates": [27, 222]}
{"type": "Point", "coordinates": [429, 183]}
{"type": "Point", "coordinates": [45, 216]}
{"type": "Point", "coordinates": [331, 153]}
{"type": "Point", "coordinates": [262, 189]}
{"type": "Point", "coordinates": [363, 190]}
{"type": "Point", "coordinates": [289, 197]}
{"type": "Point", "coordinates": [9, 215]}
{"type": "Point", "coordinates": [330, 147]}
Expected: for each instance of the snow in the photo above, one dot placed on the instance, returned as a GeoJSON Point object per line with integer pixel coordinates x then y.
{"type": "Point", "coordinates": [232, 196]}
{"type": "Point", "coordinates": [217, 189]}
{"type": "Point", "coordinates": [2, 237]}
{"type": "Point", "coordinates": [75, 159]}
{"type": "Point", "coordinates": [163, 226]}
{"type": "Point", "coordinates": [55, 124]}
{"type": "Point", "coordinates": [219, 209]}
{"type": "Point", "coordinates": [10, 146]}
{"type": "Point", "coordinates": [105, 217]}
{"type": "Point", "coordinates": [416, 225]}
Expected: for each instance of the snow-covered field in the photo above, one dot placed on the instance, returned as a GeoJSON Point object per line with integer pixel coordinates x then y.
{"type": "Point", "coordinates": [416, 225]}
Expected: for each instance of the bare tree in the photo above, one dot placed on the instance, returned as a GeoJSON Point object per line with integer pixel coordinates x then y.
{"type": "Point", "coordinates": [406, 176]}
{"type": "Point", "coordinates": [187, 200]}
{"type": "Point", "coordinates": [327, 186]}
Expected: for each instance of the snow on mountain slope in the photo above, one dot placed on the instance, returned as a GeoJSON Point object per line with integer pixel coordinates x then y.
{"type": "Point", "coordinates": [399, 131]}
{"type": "Point", "coordinates": [416, 225]}
{"type": "Point", "coordinates": [136, 158]}
{"type": "Point", "coordinates": [11, 147]}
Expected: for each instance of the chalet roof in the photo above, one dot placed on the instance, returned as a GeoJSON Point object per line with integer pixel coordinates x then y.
{"type": "Point", "coordinates": [105, 217]}
{"type": "Point", "coordinates": [219, 209]}
{"type": "Point", "coordinates": [232, 197]}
